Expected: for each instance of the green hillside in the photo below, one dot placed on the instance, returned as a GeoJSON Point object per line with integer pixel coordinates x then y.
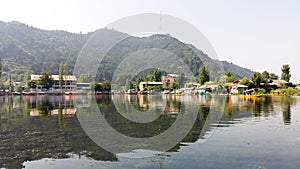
{"type": "Point", "coordinates": [24, 49]}
{"type": "Point", "coordinates": [131, 45]}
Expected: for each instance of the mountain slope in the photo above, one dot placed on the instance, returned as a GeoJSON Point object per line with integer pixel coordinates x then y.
{"type": "Point", "coordinates": [131, 45]}
{"type": "Point", "coordinates": [24, 48]}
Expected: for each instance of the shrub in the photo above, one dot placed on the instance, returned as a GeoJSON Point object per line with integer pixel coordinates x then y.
{"type": "Point", "coordinates": [289, 91]}
{"type": "Point", "coordinates": [261, 91]}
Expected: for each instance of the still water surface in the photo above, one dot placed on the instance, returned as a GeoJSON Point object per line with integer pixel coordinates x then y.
{"type": "Point", "coordinates": [44, 132]}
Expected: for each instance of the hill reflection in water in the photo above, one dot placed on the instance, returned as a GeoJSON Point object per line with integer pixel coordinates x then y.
{"type": "Point", "coordinates": [38, 127]}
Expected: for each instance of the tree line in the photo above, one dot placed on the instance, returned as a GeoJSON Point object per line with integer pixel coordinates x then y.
{"type": "Point", "coordinates": [257, 80]}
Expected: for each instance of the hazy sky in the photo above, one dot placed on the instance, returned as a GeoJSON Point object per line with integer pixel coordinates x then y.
{"type": "Point", "coordinates": [257, 34]}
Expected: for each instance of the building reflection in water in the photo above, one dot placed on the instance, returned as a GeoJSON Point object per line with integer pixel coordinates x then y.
{"type": "Point", "coordinates": [33, 128]}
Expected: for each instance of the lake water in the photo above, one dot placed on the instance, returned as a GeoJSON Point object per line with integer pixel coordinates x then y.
{"type": "Point", "coordinates": [227, 132]}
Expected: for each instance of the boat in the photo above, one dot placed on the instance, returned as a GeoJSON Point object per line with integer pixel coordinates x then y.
{"type": "Point", "coordinates": [25, 92]}
{"type": "Point", "coordinates": [277, 94]}
{"type": "Point", "coordinates": [203, 91]}
{"type": "Point", "coordinates": [250, 96]}
{"type": "Point", "coordinates": [143, 92]}
{"type": "Point", "coordinates": [74, 93]}
{"type": "Point", "coordinates": [166, 92]}
{"type": "Point", "coordinates": [179, 92]}
{"type": "Point", "coordinates": [16, 93]}
{"type": "Point", "coordinates": [67, 93]}
{"type": "Point", "coordinates": [187, 92]}
{"type": "Point", "coordinates": [41, 93]}
{"type": "Point", "coordinates": [131, 91]}
{"type": "Point", "coordinates": [98, 93]}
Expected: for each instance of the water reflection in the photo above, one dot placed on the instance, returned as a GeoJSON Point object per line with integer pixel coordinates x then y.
{"type": "Point", "coordinates": [33, 128]}
{"type": "Point", "coordinates": [135, 129]}
{"type": "Point", "coordinates": [286, 110]}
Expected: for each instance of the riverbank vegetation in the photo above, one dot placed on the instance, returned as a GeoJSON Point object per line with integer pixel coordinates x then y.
{"type": "Point", "coordinates": [287, 91]}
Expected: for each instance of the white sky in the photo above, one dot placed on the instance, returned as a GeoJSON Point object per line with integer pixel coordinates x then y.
{"type": "Point", "coordinates": [257, 34]}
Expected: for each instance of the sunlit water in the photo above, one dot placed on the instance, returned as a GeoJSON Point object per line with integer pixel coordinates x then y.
{"type": "Point", "coordinates": [44, 132]}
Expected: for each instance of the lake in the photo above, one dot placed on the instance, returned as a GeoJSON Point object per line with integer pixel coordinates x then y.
{"type": "Point", "coordinates": [213, 132]}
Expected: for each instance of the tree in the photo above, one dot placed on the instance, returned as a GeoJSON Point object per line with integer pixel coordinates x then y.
{"type": "Point", "coordinates": [285, 75]}
{"type": "Point", "coordinates": [157, 75]}
{"type": "Point", "coordinates": [222, 79]}
{"type": "Point", "coordinates": [256, 78]}
{"type": "Point", "coordinates": [122, 81]}
{"type": "Point", "coordinates": [174, 85]}
{"type": "Point", "coordinates": [66, 72]}
{"type": "Point", "coordinates": [273, 76]}
{"type": "Point", "coordinates": [86, 78]}
{"type": "Point", "coordinates": [0, 67]}
{"type": "Point", "coordinates": [247, 82]}
{"type": "Point", "coordinates": [32, 84]}
{"type": "Point", "coordinates": [127, 84]}
{"type": "Point", "coordinates": [137, 82]}
{"type": "Point", "coordinates": [181, 79]}
{"type": "Point", "coordinates": [18, 88]}
{"type": "Point", "coordinates": [265, 76]}
{"type": "Point", "coordinates": [1, 84]}
{"type": "Point", "coordinates": [96, 86]}
{"type": "Point", "coordinates": [46, 80]}
{"type": "Point", "coordinates": [150, 78]}
{"type": "Point", "coordinates": [203, 75]}
{"type": "Point", "coordinates": [60, 75]}
{"type": "Point", "coordinates": [106, 85]}
{"type": "Point", "coordinates": [26, 77]}
{"type": "Point", "coordinates": [230, 76]}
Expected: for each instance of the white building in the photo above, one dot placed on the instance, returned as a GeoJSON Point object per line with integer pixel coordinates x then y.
{"type": "Point", "coordinates": [142, 85]}
{"type": "Point", "coordinates": [68, 81]}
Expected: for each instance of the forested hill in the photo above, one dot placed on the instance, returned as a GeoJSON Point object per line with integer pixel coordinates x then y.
{"type": "Point", "coordinates": [24, 48]}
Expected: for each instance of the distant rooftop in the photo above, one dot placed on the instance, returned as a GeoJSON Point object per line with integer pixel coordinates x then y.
{"type": "Point", "coordinates": [151, 83]}
{"type": "Point", "coordinates": [173, 75]}
{"type": "Point", "coordinates": [280, 81]}
{"type": "Point", "coordinates": [55, 77]}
